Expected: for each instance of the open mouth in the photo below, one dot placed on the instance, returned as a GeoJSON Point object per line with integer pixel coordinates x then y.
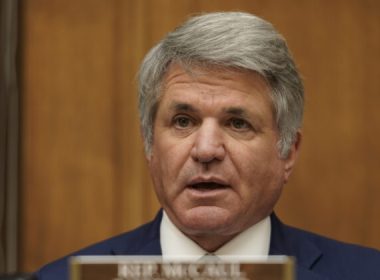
{"type": "Point", "coordinates": [208, 186]}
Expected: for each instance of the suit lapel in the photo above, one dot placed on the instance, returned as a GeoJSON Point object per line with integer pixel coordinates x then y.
{"type": "Point", "coordinates": [307, 274]}
{"type": "Point", "coordinates": [152, 245]}
{"type": "Point", "coordinates": [144, 241]}
{"type": "Point", "coordinates": [292, 242]}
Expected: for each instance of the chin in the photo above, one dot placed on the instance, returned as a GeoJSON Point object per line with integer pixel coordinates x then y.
{"type": "Point", "coordinates": [205, 220]}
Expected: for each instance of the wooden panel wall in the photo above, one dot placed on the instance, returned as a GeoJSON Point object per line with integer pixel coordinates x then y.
{"type": "Point", "coordinates": [83, 171]}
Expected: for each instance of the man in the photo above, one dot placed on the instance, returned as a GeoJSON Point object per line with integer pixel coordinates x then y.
{"type": "Point", "coordinates": [221, 107]}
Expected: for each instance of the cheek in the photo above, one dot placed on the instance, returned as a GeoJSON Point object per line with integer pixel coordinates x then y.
{"type": "Point", "coordinates": [160, 174]}
{"type": "Point", "coordinates": [259, 167]}
{"type": "Point", "coordinates": [173, 151]}
{"type": "Point", "coordinates": [167, 163]}
{"type": "Point", "coordinates": [261, 186]}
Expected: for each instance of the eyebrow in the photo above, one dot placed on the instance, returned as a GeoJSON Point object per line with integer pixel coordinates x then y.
{"type": "Point", "coordinates": [182, 107]}
{"type": "Point", "coordinates": [185, 107]}
{"type": "Point", "coordinates": [242, 113]}
{"type": "Point", "coordinates": [236, 111]}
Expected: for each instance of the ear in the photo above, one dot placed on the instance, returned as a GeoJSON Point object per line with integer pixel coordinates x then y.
{"type": "Point", "coordinates": [148, 156]}
{"type": "Point", "coordinates": [292, 156]}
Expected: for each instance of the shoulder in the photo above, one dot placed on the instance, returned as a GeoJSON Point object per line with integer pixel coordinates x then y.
{"type": "Point", "coordinates": [338, 259]}
{"type": "Point", "coordinates": [145, 237]}
{"type": "Point", "coordinates": [332, 246]}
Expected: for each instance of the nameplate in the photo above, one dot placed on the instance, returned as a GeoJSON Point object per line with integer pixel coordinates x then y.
{"type": "Point", "coordinates": [181, 268]}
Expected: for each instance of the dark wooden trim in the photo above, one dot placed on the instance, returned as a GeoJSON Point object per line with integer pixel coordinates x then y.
{"type": "Point", "coordinates": [9, 140]}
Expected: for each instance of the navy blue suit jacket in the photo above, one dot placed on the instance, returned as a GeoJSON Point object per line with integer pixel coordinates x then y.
{"type": "Point", "coordinates": [317, 257]}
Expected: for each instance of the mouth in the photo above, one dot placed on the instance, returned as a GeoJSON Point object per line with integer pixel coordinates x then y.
{"type": "Point", "coordinates": [208, 186]}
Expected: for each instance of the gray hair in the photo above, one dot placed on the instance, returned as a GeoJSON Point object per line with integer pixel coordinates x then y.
{"type": "Point", "coordinates": [229, 39]}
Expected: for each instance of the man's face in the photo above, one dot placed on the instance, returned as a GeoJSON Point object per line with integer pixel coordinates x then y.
{"type": "Point", "coordinates": [215, 163]}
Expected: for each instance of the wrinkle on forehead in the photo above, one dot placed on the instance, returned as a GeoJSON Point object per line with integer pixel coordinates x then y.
{"type": "Point", "coordinates": [213, 76]}
{"type": "Point", "coordinates": [205, 87]}
{"type": "Point", "coordinates": [216, 81]}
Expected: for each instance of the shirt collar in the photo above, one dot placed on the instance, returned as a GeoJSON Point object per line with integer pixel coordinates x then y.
{"type": "Point", "coordinates": [254, 241]}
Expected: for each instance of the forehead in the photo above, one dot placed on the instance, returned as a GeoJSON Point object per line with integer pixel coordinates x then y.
{"type": "Point", "coordinates": [215, 83]}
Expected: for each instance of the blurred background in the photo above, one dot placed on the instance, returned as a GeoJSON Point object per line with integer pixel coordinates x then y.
{"type": "Point", "coordinates": [72, 167]}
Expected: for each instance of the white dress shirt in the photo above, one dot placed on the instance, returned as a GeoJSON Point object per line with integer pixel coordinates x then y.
{"type": "Point", "coordinates": [252, 242]}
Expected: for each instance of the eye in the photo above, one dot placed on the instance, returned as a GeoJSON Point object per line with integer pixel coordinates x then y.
{"type": "Point", "coordinates": [182, 121]}
{"type": "Point", "coordinates": [239, 124]}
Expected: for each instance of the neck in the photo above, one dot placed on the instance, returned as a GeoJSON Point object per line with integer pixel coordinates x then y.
{"type": "Point", "coordinates": [211, 243]}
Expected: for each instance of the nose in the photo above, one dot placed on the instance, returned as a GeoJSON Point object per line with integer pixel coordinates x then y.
{"type": "Point", "coordinates": [208, 144]}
